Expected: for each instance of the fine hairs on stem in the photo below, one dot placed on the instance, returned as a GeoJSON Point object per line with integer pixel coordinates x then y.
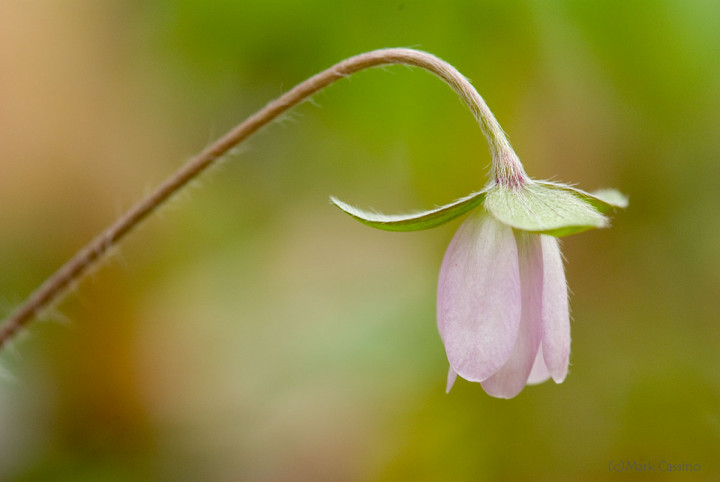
{"type": "Point", "coordinates": [57, 285]}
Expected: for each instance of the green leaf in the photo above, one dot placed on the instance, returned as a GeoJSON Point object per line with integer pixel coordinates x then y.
{"type": "Point", "coordinates": [604, 200]}
{"type": "Point", "coordinates": [415, 221]}
{"type": "Point", "coordinates": [545, 208]}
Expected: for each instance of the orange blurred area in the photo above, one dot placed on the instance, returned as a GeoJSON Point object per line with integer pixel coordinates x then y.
{"type": "Point", "coordinates": [250, 331]}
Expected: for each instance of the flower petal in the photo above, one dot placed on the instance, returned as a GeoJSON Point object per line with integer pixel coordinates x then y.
{"type": "Point", "coordinates": [450, 380]}
{"type": "Point", "coordinates": [414, 221]}
{"type": "Point", "coordinates": [555, 311]}
{"type": "Point", "coordinates": [512, 377]}
{"type": "Point", "coordinates": [478, 308]}
{"type": "Point", "coordinates": [539, 372]}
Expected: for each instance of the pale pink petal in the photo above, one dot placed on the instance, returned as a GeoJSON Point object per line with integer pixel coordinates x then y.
{"type": "Point", "coordinates": [512, 377]}
{"type": "Point", "coordinates": [450, 380]}
{"type": "Point", "coordinates": [479, 297]}
{"type": "Point", "coordinates": [539, 372]}
{"type": "Point", "coordinates": [555, 312]}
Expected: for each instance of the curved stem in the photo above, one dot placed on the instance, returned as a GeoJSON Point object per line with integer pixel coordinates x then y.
{"type": "Point", "coordinates": [57, 285]}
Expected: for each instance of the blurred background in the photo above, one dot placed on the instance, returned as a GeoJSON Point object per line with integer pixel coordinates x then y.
{"type": "Point", "coordinates": [251, 331]}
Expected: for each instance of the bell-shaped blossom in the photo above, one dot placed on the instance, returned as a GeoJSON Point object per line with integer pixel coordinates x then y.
{"type": "Point", "coordinates": [502, 308]}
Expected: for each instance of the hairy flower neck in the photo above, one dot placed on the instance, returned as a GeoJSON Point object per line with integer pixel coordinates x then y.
{"type": "Point", "coordinates": [507, 170]}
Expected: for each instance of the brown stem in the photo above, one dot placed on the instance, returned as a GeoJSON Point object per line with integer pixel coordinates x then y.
{"type": "Point", "coordinates": [57, 284]}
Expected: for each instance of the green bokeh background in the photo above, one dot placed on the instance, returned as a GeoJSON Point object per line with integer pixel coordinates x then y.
{"type": "Point", "coordinates": [251, 331]}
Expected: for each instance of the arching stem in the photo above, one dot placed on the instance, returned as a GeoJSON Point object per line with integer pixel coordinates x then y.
{"type": "Point", "coordinates": [506, 166]}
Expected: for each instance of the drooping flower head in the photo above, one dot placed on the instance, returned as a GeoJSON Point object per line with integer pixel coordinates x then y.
{"type": "Point", "coordinates": [502, 308]}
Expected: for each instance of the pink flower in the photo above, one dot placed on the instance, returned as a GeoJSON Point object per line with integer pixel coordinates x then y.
{"type": "Point", "coordinates": [502, 307]}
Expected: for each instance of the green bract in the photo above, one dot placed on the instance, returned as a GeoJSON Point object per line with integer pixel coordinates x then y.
{"type": "Point", "coordinates": [535, 206]}
{"type": "Point", "coordinates": [414, 221]}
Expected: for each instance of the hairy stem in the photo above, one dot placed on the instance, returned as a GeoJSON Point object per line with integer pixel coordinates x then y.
{"type": "Point", "coordinates": [57, 284]}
